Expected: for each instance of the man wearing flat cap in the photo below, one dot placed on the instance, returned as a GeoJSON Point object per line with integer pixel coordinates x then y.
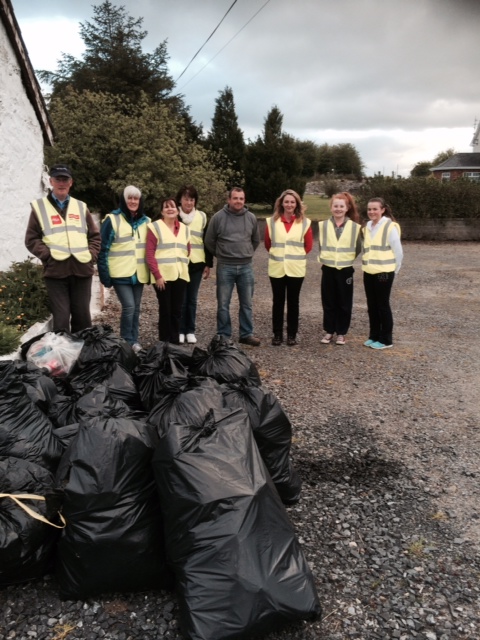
{"type": "Point", "coordinates": [63, 235]}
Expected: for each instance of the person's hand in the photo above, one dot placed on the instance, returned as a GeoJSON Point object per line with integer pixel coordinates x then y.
{"type": "Point", "coordinates": [160, 283]}
{"type": "Point", "coordinates": [206, 273]}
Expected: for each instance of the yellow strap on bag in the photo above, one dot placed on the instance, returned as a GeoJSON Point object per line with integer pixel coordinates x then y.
{"type": "Point", "coordinates": [18, 497]}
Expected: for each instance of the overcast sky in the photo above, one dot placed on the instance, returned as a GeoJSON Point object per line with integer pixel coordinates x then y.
{"type": "Point", "coordinates": [396, 78]}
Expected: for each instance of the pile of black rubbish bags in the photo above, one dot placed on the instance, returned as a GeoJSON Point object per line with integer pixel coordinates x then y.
{"type": "Point", "coordinates": [158, 471]}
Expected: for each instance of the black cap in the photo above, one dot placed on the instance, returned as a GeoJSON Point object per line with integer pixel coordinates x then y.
{"type": "Point", "coordinates": [60, 170]}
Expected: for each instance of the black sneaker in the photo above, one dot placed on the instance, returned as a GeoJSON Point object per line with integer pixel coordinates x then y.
{"type": "Point", "coordinates": [251, 341]}
{"type": "Point", "coordinates": [291, 341]}
{"type": "Point", "coordinates": [277, 340]}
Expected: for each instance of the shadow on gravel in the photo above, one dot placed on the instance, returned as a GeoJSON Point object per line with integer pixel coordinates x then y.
{"type": "Point", "coordinates": [351, 457]}
{"type": "Point", "coordinates": [358, 468]}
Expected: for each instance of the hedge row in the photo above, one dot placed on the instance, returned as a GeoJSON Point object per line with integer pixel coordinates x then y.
{"type": "Point", "coordinates": [423, 197]}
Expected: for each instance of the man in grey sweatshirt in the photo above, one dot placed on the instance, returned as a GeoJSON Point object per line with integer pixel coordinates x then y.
{"type": "Point", "coordinates": [232, 237]}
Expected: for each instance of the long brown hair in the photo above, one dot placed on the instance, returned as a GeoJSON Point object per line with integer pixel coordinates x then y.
{"type": "Point", "coordinates": [300, 208]}
{"type": "Point", "coordinates": [352, 211]}
{"type": "Point", "coordinates": [388, 211]}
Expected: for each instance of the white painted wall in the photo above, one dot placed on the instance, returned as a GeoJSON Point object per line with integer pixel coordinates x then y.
{"type": "Point", "coordinates": [22, 178]}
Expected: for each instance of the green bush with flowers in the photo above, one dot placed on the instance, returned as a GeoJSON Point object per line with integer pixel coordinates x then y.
{"type": "Point", "coordinates": [23, 301]}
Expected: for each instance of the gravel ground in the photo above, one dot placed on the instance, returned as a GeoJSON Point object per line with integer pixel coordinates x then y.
{"type": "Point", "coordinates": [387, 444]}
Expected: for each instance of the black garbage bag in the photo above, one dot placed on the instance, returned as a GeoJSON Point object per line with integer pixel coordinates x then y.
{"type": "Point", "coordinates": [38, 384]}
{"type": "Point", "coordinates": [27, 545]}
{"type": "Point", "coordinates": [63, 410]}
{"type": "Point", "coordinates": [225, 362]}
{"type": "Point", "coordinates": [102, 344]}
{"type": "Point", "coordinates": [25, 431]}
{"type": "Point", "coordinates": [238, 566]}
{"type": "Point", "coordinates": [272, 431]}
{"type": "Point", "coordinates": [186, 406]}
{"type": "Point", "coordinates": [111, 374]}
{"type": "Point", "coordinates": [114, 539]}
{"type": "Point", "coordinates": [160, 372]}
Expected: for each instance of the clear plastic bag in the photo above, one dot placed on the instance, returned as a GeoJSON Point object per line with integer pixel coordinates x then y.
{"type": "Point", "coordinates": [56, 352]}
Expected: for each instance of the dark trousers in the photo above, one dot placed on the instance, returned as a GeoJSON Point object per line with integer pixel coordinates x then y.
{"type": "Point", "coordinates": [69, 300]}
{"type": "Point", "coordinates": [377, 290]}
{"type": "Point", "coordinates": [337, 299]}
{"type": "Point", "coordinates": [286, 288]}
{"type": "Point", "coordinates": [189, 309]}
{"type": "Point", "coordinates": [170, 301]}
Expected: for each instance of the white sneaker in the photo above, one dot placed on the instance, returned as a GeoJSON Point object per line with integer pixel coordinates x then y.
{"type": "Point", "coordinates": [137, 347]}
{"type": "Point", "coordinates": [191, 339]}
{"type": "Point", "coordinates": [181, 338]}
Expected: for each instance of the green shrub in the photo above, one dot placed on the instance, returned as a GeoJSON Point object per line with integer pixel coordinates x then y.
{"type": "Point", "coordinates": [23, 296]}
{"type": "Point", "coordinates": [423, 197]}
{"type": "Point", "coordinates": [9, 339]}
{"type": "Point", "coordinates": [331, 187]}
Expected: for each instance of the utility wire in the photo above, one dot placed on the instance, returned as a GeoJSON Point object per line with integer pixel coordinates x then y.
{"type": "Point", "coordinates": [224, 46]}
{"type": "Point", "coordinates": [231, 7]}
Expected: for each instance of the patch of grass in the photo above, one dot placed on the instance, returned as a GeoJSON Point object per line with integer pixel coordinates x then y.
{"type": "Point", "coordinates": [317, 208]}
{"type": "Point", "coordinates": [417, 548]}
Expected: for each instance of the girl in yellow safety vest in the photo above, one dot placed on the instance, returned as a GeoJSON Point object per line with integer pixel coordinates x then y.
{"type": "Point", "coordinates": [381, 260]}
{"type": "Point", "coordinates": [121, 262]}
{"type": "Point", "coordinates": [340, 243]}
{"type": "Point", "coordinates": [168, 249]}
{"type": "Point", "coordinates": [288, 239]}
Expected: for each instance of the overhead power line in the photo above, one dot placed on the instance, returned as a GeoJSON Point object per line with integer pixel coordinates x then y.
{"type": "Point", "coordinates": [231, 7]}
{"type": "Point", "coordinates": [224, 46]}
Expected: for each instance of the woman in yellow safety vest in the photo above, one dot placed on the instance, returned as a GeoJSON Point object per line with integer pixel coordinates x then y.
{"type": "Point", "coordinates": [201, 260]}
{"type": "Point", "coordinates": [122, 263]}
{"type": "Point", "coordinates": [340, 243]}
{"type": "Point", "coordinates": [381, 260]}
{"type": "Point", "coordinates": [288, 239]}
{"type": "Point", "coordinates": [168, 249]}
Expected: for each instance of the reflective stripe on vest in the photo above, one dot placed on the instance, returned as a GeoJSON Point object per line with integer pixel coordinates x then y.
{"type": "Point", "coordinates": [196, 227]}
{"type": "Point", "coordinates": [379, 258]}
{"type": "Point", "coordinates": [337, 252]}
{"type": "Point", "coordinates": [172, 251]}
{"type": "Point", "coordinates": [287, 250]}
{"type": "Point", "coordinates": [67, 237]}
{"type": "Point", "coordinates": [127, 251]}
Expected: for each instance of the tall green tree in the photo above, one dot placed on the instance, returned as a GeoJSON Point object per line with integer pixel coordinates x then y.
{"type": "Point", "coordinates": [111, 141]}
{"type": "Point", "coordinates": [273, 163]}
{"type": "Point", "coordinates": [114, 62]}
{"type": "Point", "coordinates": [225, 136]}
{"type": "Point", "coordinates": [346, 160]}
{"type": "Point", "coordinates": [308, 152]}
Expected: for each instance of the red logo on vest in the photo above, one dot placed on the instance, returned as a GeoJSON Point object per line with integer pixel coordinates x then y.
{"type": "Point", "coordinates": [56, 219]}
{"type": "Point", "coordinates": [75, 216]}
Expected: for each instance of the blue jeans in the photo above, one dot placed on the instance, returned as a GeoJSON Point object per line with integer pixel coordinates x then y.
{"type": "Point", "coordinates": [130, 296]}
{"type": "Point", "coordinates": [228, 276]}
{"type": "Point", "coordinates": [189, 309]}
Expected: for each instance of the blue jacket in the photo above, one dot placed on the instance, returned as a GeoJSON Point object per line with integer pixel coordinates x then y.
{"type": "Point", "coordinates": [107, 233]}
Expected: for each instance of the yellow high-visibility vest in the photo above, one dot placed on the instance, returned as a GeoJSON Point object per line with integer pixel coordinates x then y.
{"type": "Point", "coordinates": [127, 251]}
{"type": "Point", "coordinates": [337, 253]}
{"type": "Point", "coordinates": [378, 256]}
{"type": "Point", "coordinates": [196, 228]}
{"type": "Point", "coordinates": [67, 237]}
{"type": "Point", "coordinates": [287, 256]}
{"type": "Point", "coordinates": [172, 251]}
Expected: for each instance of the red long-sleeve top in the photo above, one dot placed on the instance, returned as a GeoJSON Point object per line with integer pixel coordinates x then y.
{"type": "Point", "coordinates": [307, 240]}
{"type": "Point", "coordinates": [151, 248]}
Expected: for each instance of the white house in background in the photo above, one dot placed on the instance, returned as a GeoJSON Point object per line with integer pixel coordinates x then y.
{"type": "Point", "coordinates": [25, 128]}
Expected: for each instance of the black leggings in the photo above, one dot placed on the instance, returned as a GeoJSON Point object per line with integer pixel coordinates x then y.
{"type": "Point", "coordinates": [377, 289]}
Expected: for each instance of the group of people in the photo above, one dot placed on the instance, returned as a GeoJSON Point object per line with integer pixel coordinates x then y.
{"type": "Point", "coordinates": [174, 251]}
